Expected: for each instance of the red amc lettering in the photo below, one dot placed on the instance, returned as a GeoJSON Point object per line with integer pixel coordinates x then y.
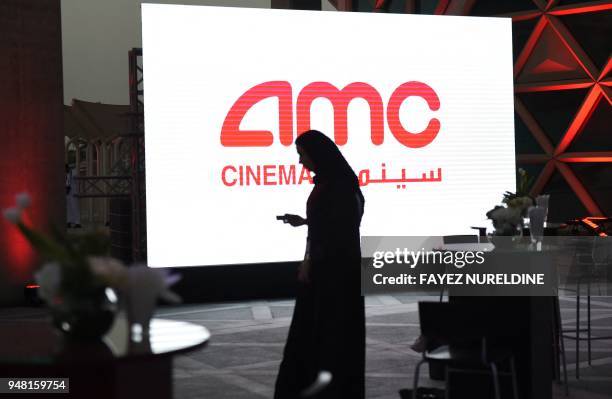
{"type": "Point", "coordinates": [269, 175]}
{"type": "Point", "coordinates": [223, 176]}
{"type": "Point", "coordinates": [305, 175]}
{"type": "Point", "coordinates": [410, 139]}
{"type": "Point", "coordinates": [266, 175]}
{"type": "Point", "coordinates": [340, 100]}
{"type": "Point", "coordinates": [288, 177]}
{"type": "Point", "coordinates": [232, 136]}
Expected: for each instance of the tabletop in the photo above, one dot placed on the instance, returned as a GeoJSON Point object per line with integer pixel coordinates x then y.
{"type": "Point", "coordinates": [37, 342]}
{"type": "Point", "coordinates": [469, 246]}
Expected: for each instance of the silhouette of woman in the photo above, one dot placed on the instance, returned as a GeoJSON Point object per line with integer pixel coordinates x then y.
{"type": "Point", "coordinates": [328, 327]}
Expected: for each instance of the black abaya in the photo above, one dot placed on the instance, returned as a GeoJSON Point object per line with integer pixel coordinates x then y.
{"type": "Point", "coordinates": [328, 327]}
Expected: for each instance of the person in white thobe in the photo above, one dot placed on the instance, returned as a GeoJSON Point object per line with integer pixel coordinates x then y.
{"type": "Point", "coordinates": [73, 213]}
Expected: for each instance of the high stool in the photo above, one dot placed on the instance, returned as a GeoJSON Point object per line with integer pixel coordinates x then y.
{"type": "Point", "coordinates": [591, 260]}
{"type": "Point", "coordinates": [559, 345]}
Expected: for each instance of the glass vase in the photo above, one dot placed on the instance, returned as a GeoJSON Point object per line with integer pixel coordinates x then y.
{"type": "Point", "coordinates": [85, 318]}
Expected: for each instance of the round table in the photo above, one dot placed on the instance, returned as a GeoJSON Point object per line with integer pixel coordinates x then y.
{"type": "Point", "coordinates": [126, 363]}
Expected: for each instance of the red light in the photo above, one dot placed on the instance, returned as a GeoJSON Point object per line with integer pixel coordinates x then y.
{"type": "Point", "coordinates": [589, 222]}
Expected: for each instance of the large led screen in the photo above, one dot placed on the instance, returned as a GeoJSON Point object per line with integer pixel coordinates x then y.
{"type": "Point", "coordinates": [421, 106]}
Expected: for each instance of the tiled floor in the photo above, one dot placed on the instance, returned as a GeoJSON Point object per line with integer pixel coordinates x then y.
{"type": "Point", "coordinates": [242, 358]}
{"type": "Point", "coordinates": [248, 338]}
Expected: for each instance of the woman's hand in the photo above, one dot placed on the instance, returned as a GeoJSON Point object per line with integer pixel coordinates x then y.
{"type": "Point", "coordinates": [294, 220]}
{"type": "Point", "coordinates": [304, 271]}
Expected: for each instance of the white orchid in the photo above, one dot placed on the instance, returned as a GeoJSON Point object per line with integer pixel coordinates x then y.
{"type": "Point", "coordinates": [520, 203]}
{"type": "Point", "coordinates": [79, 267]}
{"type": "Point", "coordinates": [505, 219]}
{"type": "Point", "coordinates": [23, 200]}
{"type": "Point", "coordinates": [49, 278]}
{"type": "Point", "coordinates": [153, 282]}
{"type": "Point", "coordinates": [506, 215]}
{"type": "Point", "coordinates": [109, 270]}
{"type": "Point", "coordinates": [13, 215]}
{"type": "Point", "coordinates": [146, 285]}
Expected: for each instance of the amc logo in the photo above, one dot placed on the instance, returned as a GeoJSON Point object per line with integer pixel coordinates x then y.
{"type": "Point", "coordinates": [232, 136]}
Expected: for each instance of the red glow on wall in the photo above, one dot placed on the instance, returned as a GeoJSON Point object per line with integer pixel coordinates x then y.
{"type": "Point", "coordinates": [594, 226]}
{"type": "Point", "coordinates": [553, 60]}
{"type": "Point", "coordinates": [20, 252]}
{"type": "Point", "coordinates": [32, 153]}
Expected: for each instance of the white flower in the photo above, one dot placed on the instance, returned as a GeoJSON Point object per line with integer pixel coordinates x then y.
{"type": "Point", "coordinates": [23, 200]}
{"type": "Point", "coordinates": [49, 279]}
{"type": "Point", "coordinates": [154, 281]}
{"type": "Point", "coordinates": [170, 297]}
{"type": "Point", "coordinates": [110, 270]}
{"type": "Point", "coordinates": [13, 215]}
{"type": "Point", "coordinates": [520, 202]}
{"type": "Point", "coordinates": [502, 215]}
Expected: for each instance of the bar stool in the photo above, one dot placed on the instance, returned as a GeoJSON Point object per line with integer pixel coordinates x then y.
{"type": "Point", "coordinates": [591, 260]}
{"type": "Point", "coordinates": [559, 345]}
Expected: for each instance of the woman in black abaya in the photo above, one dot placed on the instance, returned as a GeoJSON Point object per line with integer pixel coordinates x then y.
{"type": "Point", "coordinates": [328, 327]}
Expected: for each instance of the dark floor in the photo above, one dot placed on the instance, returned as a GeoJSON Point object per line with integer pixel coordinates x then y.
{"type": "Point", "coordinates": [242, 358]}
{"type": "Point", "coordinates": [248, 339]}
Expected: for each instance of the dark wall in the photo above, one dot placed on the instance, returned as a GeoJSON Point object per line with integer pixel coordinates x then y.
{"type": "Point", "coordinates": [31, 131]}
{"type": "Point", "coordinates": [572, 47]}
{"type": "Point", "coordinates": [237, 282]}
{"type": "Point", "coordinates": [555, 108]}
{"type": "Point", "coordinates": [297, 4]}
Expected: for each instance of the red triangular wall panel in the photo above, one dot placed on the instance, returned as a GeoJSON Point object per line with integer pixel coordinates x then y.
{"type": "Point", "coordinates": [553, 61]}
{"type": "Point", "coordinates": [564, 46]}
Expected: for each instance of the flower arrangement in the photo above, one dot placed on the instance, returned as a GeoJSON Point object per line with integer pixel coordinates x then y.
{"type": "Point", "coordinates": [520, 200]}
{"type": "Point", "coordinates": [505, 220]}
{"type": "Point", "coordinates": [75, 267]}
{"type": "Point", "coordinates": [78, 275]}
{"type": "Point", "coordinates": [508, 219]}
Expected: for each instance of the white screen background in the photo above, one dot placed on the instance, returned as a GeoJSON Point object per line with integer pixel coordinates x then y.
{"type": "Point", "coordinates": [198, 61]}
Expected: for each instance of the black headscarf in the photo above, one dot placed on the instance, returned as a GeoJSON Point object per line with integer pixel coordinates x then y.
{"type": "Point", "coordinates": [329, 163]}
